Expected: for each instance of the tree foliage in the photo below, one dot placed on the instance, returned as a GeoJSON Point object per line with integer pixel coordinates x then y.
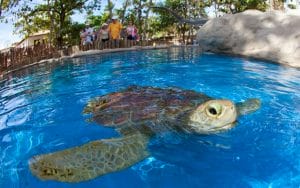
{"type": "Point", "coordinates": [109, 8]}
{"type": "Point", "coordinates": [234, 6]}
{"type": "Point", "coordinates": [54, 15]}
{"type": "Point", "coordinates": [72, 34]}
{"type": "Point", "coordinates": [6, 5]}
{"type": "Point", "coordinates": [187, 9]}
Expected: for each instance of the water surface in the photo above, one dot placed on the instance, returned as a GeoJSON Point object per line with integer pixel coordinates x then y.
{"type": "Point", "coordinates": [40, 112]}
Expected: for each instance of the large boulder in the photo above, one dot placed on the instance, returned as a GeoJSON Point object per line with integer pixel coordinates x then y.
{"type": "Point", "coordinates": [273, 36]}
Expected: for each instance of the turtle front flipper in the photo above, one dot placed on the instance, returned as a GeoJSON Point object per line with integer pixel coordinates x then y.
{"type": "Point", "coordinates": [248, 106]}
{"type": "Point", "coordinates": [91, 160]}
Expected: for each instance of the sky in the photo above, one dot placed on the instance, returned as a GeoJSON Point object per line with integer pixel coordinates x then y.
{"type": "Point", "coordinates": [6, 35]}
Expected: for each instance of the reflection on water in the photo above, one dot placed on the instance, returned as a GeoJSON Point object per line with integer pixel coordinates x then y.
{"type": "Point", "coordinates": [41, 112]}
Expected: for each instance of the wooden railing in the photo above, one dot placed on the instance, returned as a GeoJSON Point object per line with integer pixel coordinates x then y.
{"type": "Point", "coordinates": [17, 57]}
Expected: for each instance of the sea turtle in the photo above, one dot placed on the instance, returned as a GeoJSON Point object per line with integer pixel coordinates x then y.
{"type": "Point", "coordinates": [138, 113]}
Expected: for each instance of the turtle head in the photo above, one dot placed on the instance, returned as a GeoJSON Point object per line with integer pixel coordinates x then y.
{"type": "Point", "coordinates": [213, 116]}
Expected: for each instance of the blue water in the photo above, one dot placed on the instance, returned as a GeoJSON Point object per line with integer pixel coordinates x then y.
{"type": "Point", "coordinates": [40, 112]}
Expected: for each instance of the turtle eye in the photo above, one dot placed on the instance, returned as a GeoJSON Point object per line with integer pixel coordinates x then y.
{"type": "Point", "coordinates": [214, 110]}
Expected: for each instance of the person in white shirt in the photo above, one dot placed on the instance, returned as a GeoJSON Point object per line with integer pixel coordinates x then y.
{"type": "Point", "coordinates": [88, 35]}
{"type": "Point", "coordinates": [103, 36]}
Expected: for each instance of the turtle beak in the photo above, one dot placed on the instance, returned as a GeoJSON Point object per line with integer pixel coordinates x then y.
{"type": "Point", "coordinates": [225, 127]}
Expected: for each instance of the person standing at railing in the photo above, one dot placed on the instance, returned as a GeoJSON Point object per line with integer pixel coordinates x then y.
{"type": "Point", "coordinates": [89, 35]}
{"type": "Point", "coordinates": [131, 33]}
{"type": "Point", "coordinates": [114, 29]}
{"type": "Point", "coordinates": [82, 36]}
{"type": "Point", "coordinates": [86, 36]}
{"type": "Point", "coordinates": [103, 36]}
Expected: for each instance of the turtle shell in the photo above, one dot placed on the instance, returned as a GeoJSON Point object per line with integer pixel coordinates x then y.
{"type": "Point", "coordinates": [137, 105]}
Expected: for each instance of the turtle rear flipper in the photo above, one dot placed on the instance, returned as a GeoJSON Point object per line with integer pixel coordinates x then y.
{"type": "Point", "coordinates": [91, 160]}
{"type": "Point", "coordinates": [248, 106]}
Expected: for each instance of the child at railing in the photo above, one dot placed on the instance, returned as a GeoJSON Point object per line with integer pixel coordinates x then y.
{"type": "Point", "coordinates": [131, 33]}
{"type": "Point", "coordinates": [88, 35]}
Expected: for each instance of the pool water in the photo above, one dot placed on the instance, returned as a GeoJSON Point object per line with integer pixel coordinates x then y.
{"type": "Point", "coordinates": [41, 112]}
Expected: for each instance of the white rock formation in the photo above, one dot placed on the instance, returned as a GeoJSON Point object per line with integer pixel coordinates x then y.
{"type": "Point", "coordinates": [273, 36]}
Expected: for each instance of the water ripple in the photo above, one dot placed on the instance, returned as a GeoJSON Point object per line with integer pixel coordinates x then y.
{"type": "Point", "coordinates": [41, 112]}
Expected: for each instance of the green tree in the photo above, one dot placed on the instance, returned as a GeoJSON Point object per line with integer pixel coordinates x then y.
{"type": "Point", "coordinates": [109, 7]}
{"type": "Point", "coordinates": [186, 9]}
{"type": "Point", "coordinates": [6, 5]}
{"type": "Point", "coordinates": [72, 36]}
{"type": "Point", "coordinates": [96, 21]}
{"type": "Point", "coordinates": [139, 13]}
{"type": "Point", "coordinates": [155, 29]}
{"type": "Point", "coordinates": [3, 6]}
{"type": "Point", "coordinates": [29, 24]}
{"type": "Point", "coordinates": [56, 16]}
{"type": "Point", "coordinates": [234, 6]}
{"type": "Point", "coordinates": [123, 10]}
